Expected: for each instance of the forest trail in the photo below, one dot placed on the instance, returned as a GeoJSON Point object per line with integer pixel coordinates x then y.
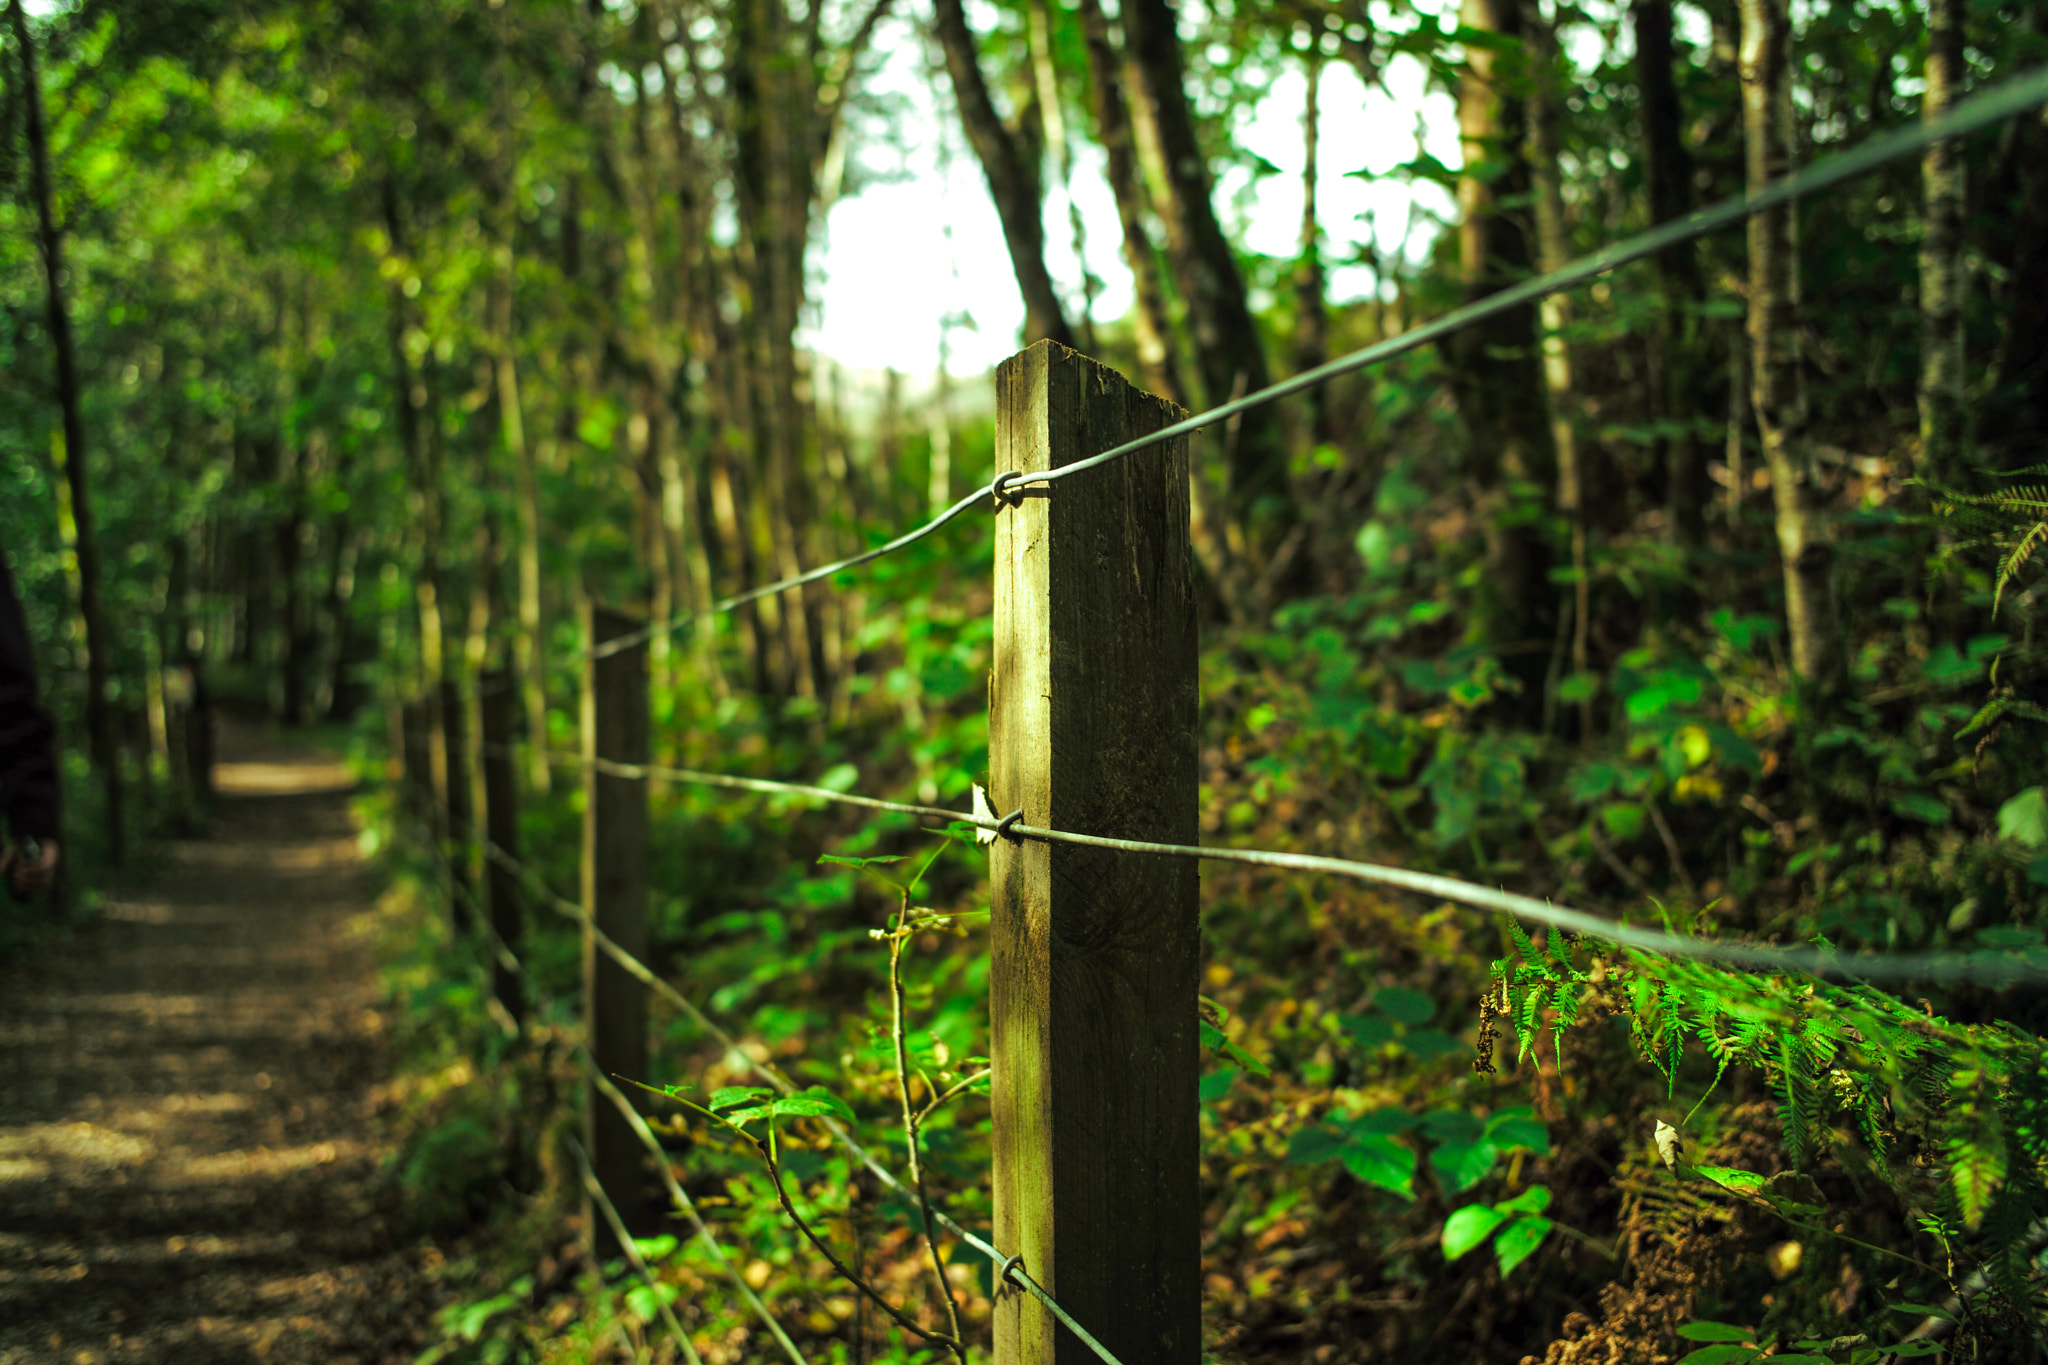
{"type": "Point", "coordinates": [189, 1162]}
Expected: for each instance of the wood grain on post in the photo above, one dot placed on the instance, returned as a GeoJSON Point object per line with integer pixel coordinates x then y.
{"type": "Point", "coordinates": [1092, 727]}
{"type": "Point", "coordinates": [616, 727]}
{"type": "Point", "coordinates": [460, 798]}
{"type": "Point", "coordinates": [498, 698]}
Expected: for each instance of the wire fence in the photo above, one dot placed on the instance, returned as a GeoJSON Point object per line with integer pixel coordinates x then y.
{"type": "Point", "coordinates": [1991, 968]}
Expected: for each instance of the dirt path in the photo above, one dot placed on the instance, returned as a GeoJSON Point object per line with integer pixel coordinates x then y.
{"type": "Point", "coordinates": [188, 1162]}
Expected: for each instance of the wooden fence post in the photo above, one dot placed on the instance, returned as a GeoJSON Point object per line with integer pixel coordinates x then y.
{"type": "Point", "coordinates": [1092, 727]}
{"type": "Point", "coordinates": [616, 727]}
{"type": "Point", "coordinates": [461, 800]}
{"type": "Point", "coordinates": [498, 698]}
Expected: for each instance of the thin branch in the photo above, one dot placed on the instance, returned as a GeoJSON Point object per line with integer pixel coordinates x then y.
{"type": "Point", "coordinates": [845, 1272]}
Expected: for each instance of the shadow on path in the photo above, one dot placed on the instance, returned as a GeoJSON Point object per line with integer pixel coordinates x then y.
{"type": "Point", "coordinates": [188, 1161]}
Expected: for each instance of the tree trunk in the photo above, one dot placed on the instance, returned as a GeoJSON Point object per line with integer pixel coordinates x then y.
{"type": "Point", "coordinates": [2022, 371]}
{"type": "Point", "coordinates": [99, 715]}
{"type": "Point", "coordinates": [1151, 321]}
{"type": "Point", "coordinates": [1495, 368]}
{"type": "Point", "coordinates": [1226, 336]}
{"type": "Point", "coordinates": [1677, 393]}
{"type": "Point", "coordinates": [1553, 249]}
{"type": "Point", "coordinates": [1942, 421]}
{"type": "Point", "coordinates": [1311, 316]}
{"type": "Point", "coordinates": [529, 648]}
{"type": "Point", "coordinates": [1012, 172]}
{"type": "Point", "coordinates": [1776, 391]}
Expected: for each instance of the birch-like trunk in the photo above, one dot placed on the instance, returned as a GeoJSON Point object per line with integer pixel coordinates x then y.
{"type": "Point", "coordinates": [1776, 392]}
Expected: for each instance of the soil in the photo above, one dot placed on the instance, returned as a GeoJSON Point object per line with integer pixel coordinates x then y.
{"type": "Point", "coordinates": [191, 1168]}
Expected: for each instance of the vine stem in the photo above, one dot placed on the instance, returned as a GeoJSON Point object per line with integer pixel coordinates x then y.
{"type": "Point", "coordinates": [846, 1273]}
{"type": "Point", "coordinates": [912, 1119]}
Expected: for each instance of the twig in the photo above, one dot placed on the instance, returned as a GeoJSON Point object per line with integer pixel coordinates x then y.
{"type": "Point", "coordinates": [845, 1272]}
{"type": "Point", "coordinates": [961, 1088]}
{"type": "Point", "coordinates": [1671, 848]}
{"type": "Point", "coordinates": [911, 1119]}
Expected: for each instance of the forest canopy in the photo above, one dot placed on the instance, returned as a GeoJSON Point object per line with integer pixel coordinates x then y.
{"type": "Point", "coordinates": [358, 358]}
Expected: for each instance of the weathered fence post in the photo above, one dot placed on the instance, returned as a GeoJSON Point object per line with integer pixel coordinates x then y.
{"type": "Point", "coordinates": [1092, 727]}
{"type": "Point", "coordinates": [498, 697]}
{"type": "Point", "coordinates": [615, 729]}
{"type": "Point", "coordinates": [461, 821]}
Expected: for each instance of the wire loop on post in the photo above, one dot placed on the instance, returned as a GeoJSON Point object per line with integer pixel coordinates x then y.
{"type": "Point", "coordinates": [1008, 823]}
{"type": "Point", "coordinates": [1001, 488]}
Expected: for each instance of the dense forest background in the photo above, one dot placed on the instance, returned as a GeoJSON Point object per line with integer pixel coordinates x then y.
{"type": "Point", "coordinates": [353, 351]}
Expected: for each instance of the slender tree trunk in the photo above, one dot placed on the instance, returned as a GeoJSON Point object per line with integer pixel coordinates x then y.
{"type": "Point", "coordinates": [1151, 320]}
{"type": "Point", "coordinates": [1013, 177]}
{"type": "Point", "coordinates": [1311, 315]}
{"type": "Point", "coordinates": [2021, 377]}
{"type": "Point", "coordinates": [1226, 336]}
{"type": "Point", "coordinates": [1553, 250]}
{"type": "Point", "coordinates": [99, 714]}
{"type": "Point", "coordinates": [1777, 394]}
{"type": "Point", "coordinates": [1678, 395]}
{"type": "Point", "coordinates": [529, 648]}
{"type": "Point", "coordinates": [1942, 420]}
{"type": "Point", "coordinates": [1053, 129]}
{"type": "Point", "coordinates": [1502, 402]}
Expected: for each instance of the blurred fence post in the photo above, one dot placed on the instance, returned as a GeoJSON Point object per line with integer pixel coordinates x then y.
{"type": "Point", "coordinates": [616, 727]}
{"type": "Point", "coordinates": [461, 815]}
{"type": "Point", "coordinates": [497, 698]}
{"type": "Point", "coordinates": [1092, 726]}
{"type": "Point", "coordinates": [419, 781]}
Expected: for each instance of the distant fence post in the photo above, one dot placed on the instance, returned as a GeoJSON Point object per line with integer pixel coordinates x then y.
{"type": "Point", "coordinates": [616, 728]}
{"type": "Point", "coordinates": [498, 698]}
{"type": "Point", "coordinates": [419, 781]}
{"type": "Point", "coordinates": [461, 815]}
{"type": "Point", "coordinates": [1092, 726]}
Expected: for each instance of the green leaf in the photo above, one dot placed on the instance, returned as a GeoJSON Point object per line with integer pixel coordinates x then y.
{"type": "Point", "coordinates": [725, 1097]}
{"type": "Point", "coordinates": [1624, 819]}
{"type": "Point", "coordinates": [1386, 1120]}
{"type": "Point", "coordinates": [1742, 1182]}
{"type": "Point", "coordinates": [1591, 782]}
{"type": "Point", "coordinates": [2024, 818]}
{"type": "Point", "coordinates": [1720, 1355]}
{"type": "Point", "coordinates": [840, 778]}
{"type": "Point", "coordinates": [1379, 1160]}
{"type": "Point", "coordinates": [1518, 1128]}
{"type": "Point", "coordinates": [1921, 806]}
{"type": "Point", "coordinates": [1216, 1084]}
{"type": "Point", "coordinates": [1467, 1228]}
{"type": "Point", "coordinates": [1370, 1031]}
{"type": "Point", "coordinates": [643, 1300]}
{"type": "Point", "coordinates": [655, 1248]}
{"type": "Point", "coordinates": [1976, 1170]}
{"type": "Point", "coordinates": [1428, 1044]}
{"type": "Point", "coordinates": [1518, 1240]}
{"type": "Point", "coordinates": [1924, 1310]}
{"type": "Point", "coordinates": [1579, 687]}
{"type": "Point", "coordinates": [1714, 1331]}
{"type": "Point", "coordinates": [1535, 1199]}
{"type": "Point", "coordinates": [1460, 1166]}
{"type": "Point", "coordinates": [816, 1102]}
{"type": "Point", "coordinates": [1404, 1005]}
{"type": "Point", "coordinates": [858, 862]}
{"type": "Point", "coordinates": [1311, 1146]}
{"type": "Point", "coordinates": [1453, 1126]}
